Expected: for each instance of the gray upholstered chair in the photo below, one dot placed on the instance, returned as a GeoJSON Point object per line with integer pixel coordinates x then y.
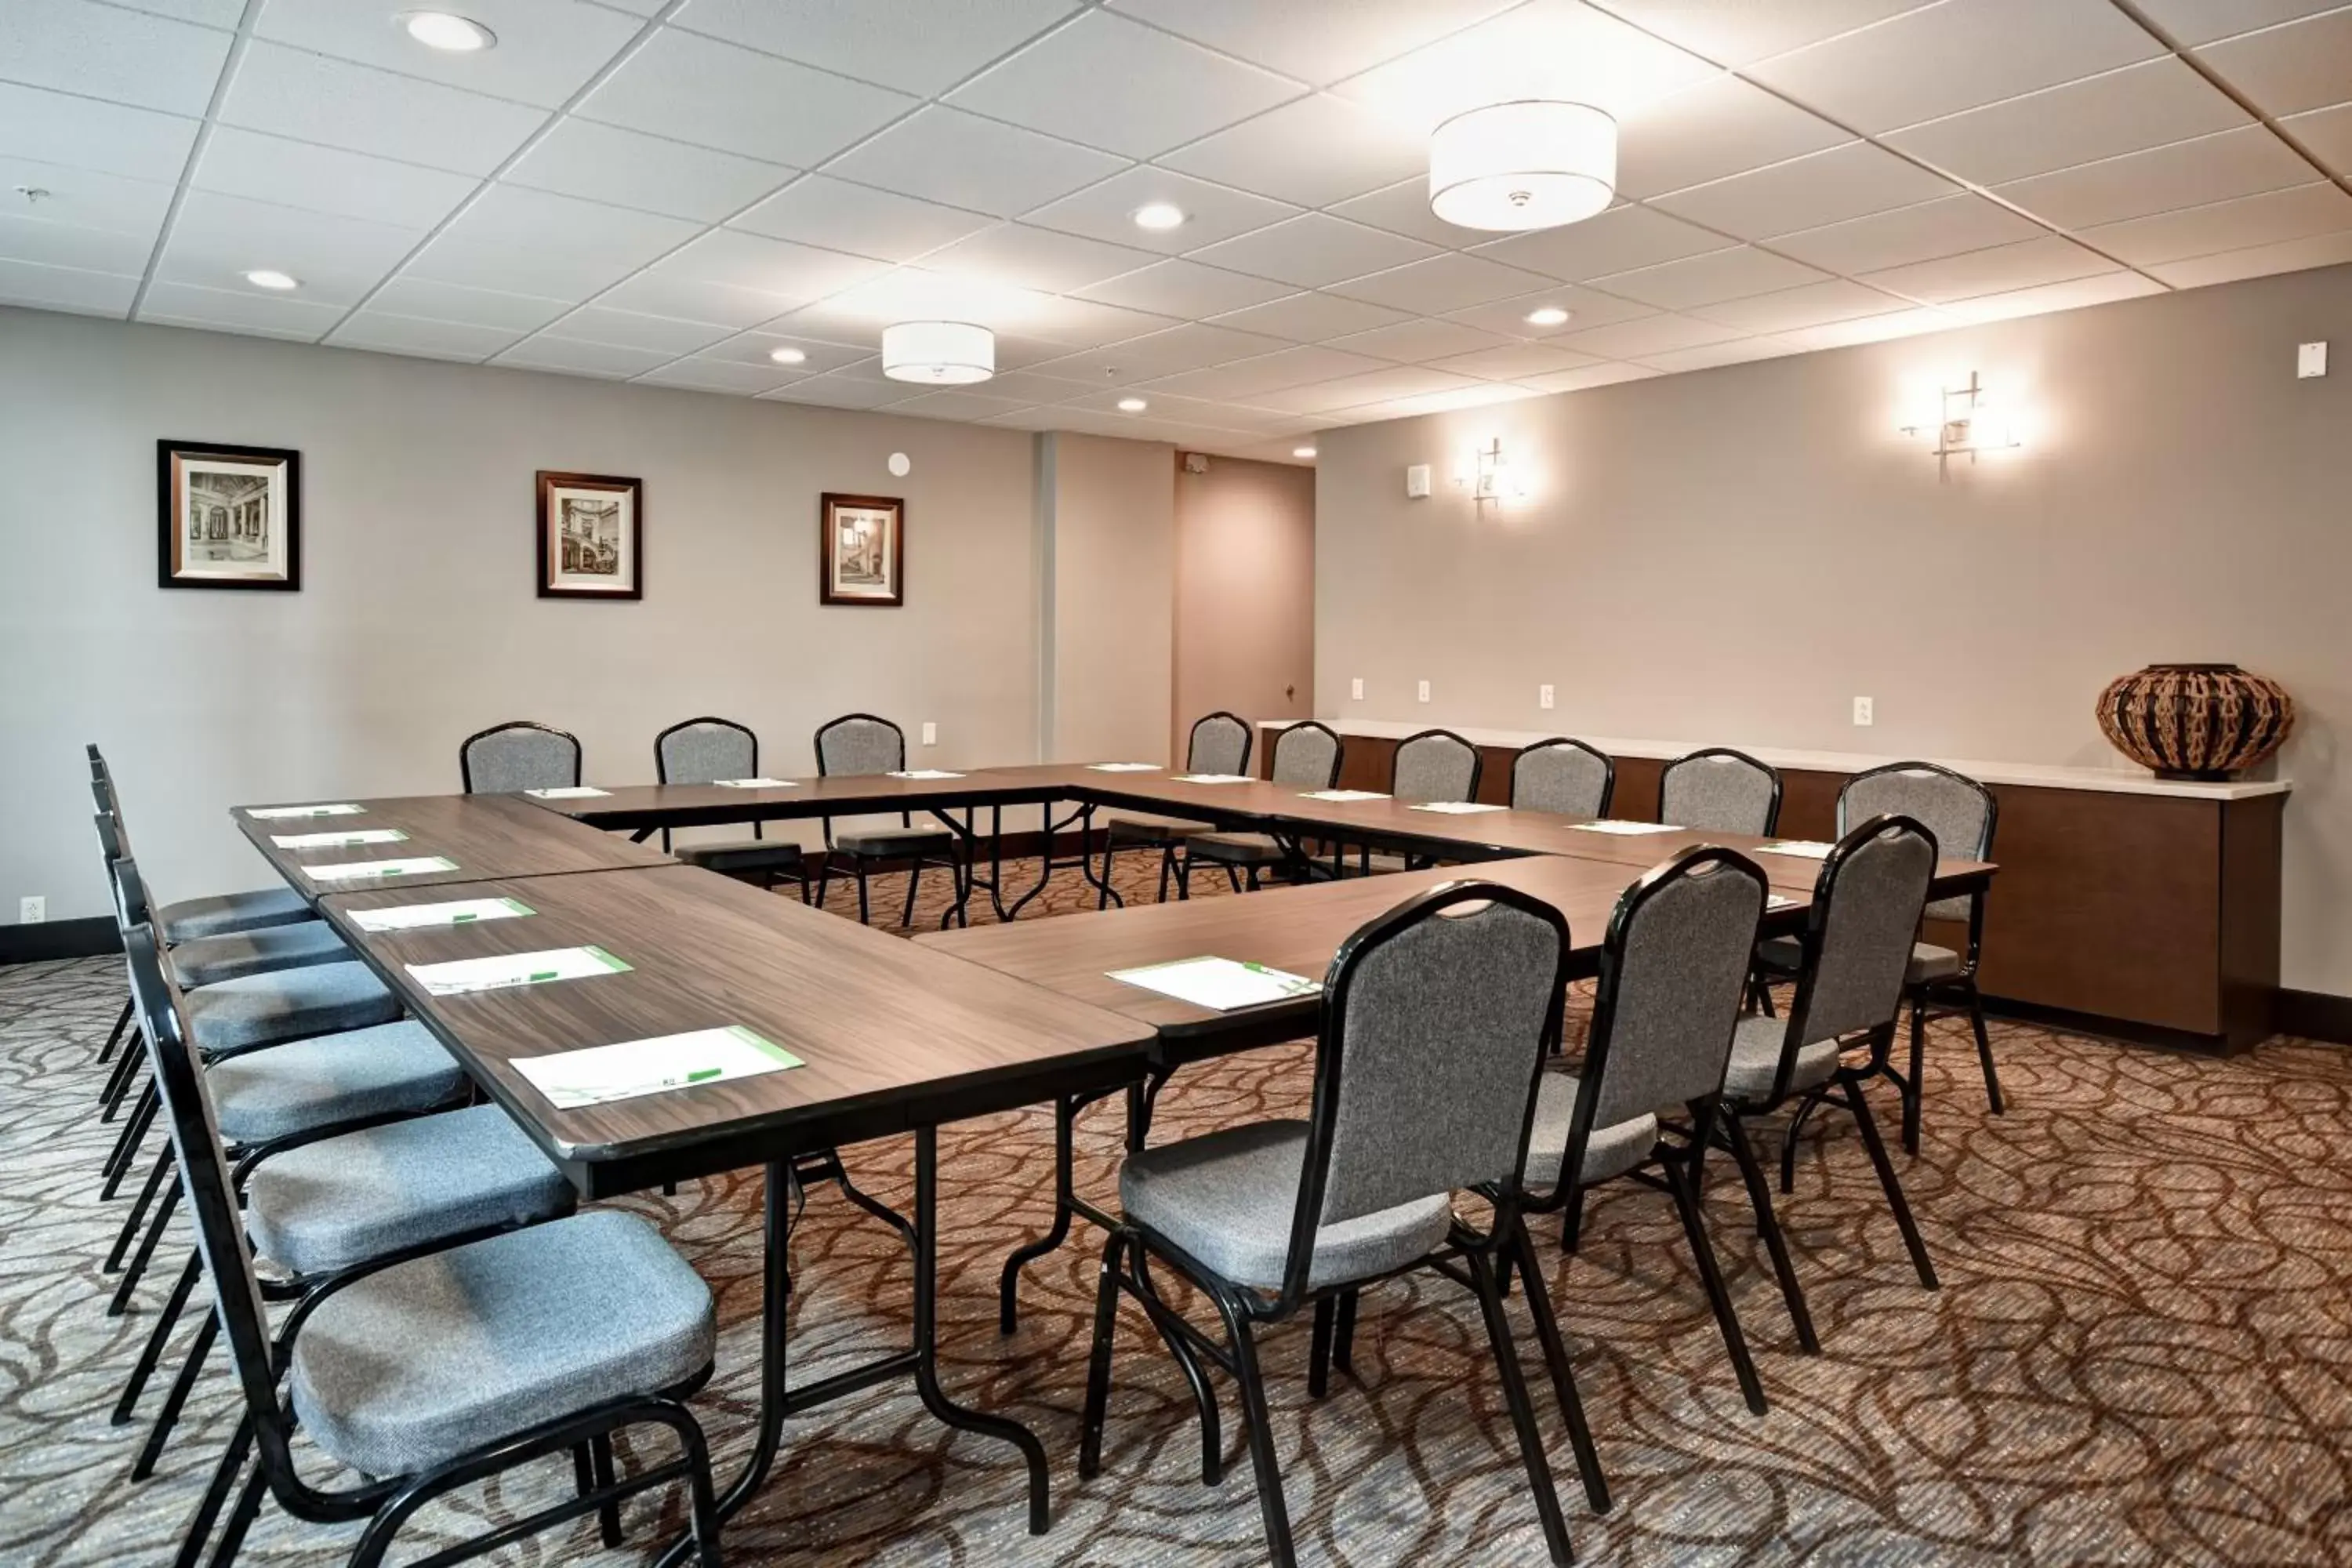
{"type": "Point", "coordinates": [518, 755]}
{"type": "Point", "coordinates": [1433, 765]}
{"type": "Point", "coordinates": [423, 1373]}
{"type": "Point", "coordinates": [1220, 743]}
{"type": "Point", "coordinates": [1306, 756]}
{"type": "Point", "coordinates": [1673, 970]}
{"type": "Point", "coordinates": [704, 750]}
{"type": "Point", "coordinates": [1855, 949]}
{"type": "Point", "coordinates": [1719, 790]}
{"type": "Point", "coordinates": [1565, 777]}
{"type": "Point", "coordinates": [859, 745]}
{"type": "Point", "coordinates": [1436, 1019]}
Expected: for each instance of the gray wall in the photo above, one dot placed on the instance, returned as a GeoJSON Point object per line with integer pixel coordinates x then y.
{"type": "Point", "coordinates": [1733, 555]}
{"type": "Point", "coordinates": [1109, 523]}
{"type": "Point", "coordinates": [418, 622]}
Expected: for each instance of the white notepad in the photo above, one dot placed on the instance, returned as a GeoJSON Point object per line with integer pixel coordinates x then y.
{"type": "Point", "coordinates": [567, 791]}
{"type": "Point", "coordinates": [1458, 808]}
{"type": "Point", "coordinates": [1219, 983]}
{"type": "Point", "coordinates": [1343, 796]}
{"type": "Point", "coordinates": [1215, 778]}
{"type": "Point", "coordinates": [459, 975]}
{"type": "Point", "coordinates": [1124, 767]}
{"type": "Point", "coordinates": [923, 773]}
{"type": "Point", "coordinates": [339, 808]}
{"type": "Point", "coordinates": [599, 1074]}
{"type": "Point", "coordinates": [1606, 826]}
{"type": "Point", "coordinates": [421, 916]}
{"type": "Point", "coordinates": [1808, 849]}
{"type": "Point", "coordinates": [332, 840]}
{"type": "Point", "coordinates": [753, 784]}
{"type": "Point", "coordinates": [359, 870]}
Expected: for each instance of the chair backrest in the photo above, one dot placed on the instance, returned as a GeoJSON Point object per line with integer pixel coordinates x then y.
{"type": "Point", "coordinates": [1720, 791]}
{"type": "Point", "coordinates": [1564, 776]}
{"type": "Point", "coordinates": [130, 890]}
{"type": "Point", "coordinates": [859, 743]}
{"type": "Point", "coordinates": [1308, 754]}
{"type": "Point", "coordinates": [1858, 934]}
{"type": "Point", "coordinates": [1961, 812]}
{"type": "Point", "coordinates": [1437, 765]}
{"type": "Point", "coordinates": [1436, 1019]}
{"type": "Point", "coordinates": [1220, 745]}
{"type": "Point", "coordinates": [1674, 971]}
{"type": "Point", "coordinates": [702, 750]}
{"type": "Point", "coordinates": [518, 755]}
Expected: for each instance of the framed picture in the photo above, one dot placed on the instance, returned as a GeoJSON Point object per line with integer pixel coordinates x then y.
{"type": "Point", "coordinates": [227, 517]}
{"type": "Point", "coordinates": [862, 551]}
{"type": "Point", "coordinates": [591, 537]}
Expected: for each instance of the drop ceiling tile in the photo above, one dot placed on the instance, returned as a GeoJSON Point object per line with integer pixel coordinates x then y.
{"type": "Point", "coordinates": [1247, 380]}
{"type": "Point", "coordinates": [1550, 48]}
{"type": "Point", "coordinates": [2288, 69]}
{"type": "Point", "coordinates": [859, 312]}
{"type": "Point", "coordinates": [216, 239]}
{"type": "Point", "coordinates": [1375, 387]}
{"type": "Point", "coordinates": [1193, 346]}
{"type": "Point", "coordinates": [1649, 335]}
{"type": "Point", "coordinates": [632, 329]}
{"type": "Point", "coordinates": [327, 179]}
{"type": "Point", "coordinates": [1515, 362]}
{"type": "Point", "coordinates": [514, 215]}
{"type": "Point", "coordinates": [2071, 295]}
{"type": "Point", "coordinates": [836, 391]}
{"type": "Point", "coordinates": [504, 268]}
{"type": "Point", "coordinates": [2192, 22]}
{"type": "Point", "coordinates": [102, 51]}
{"type": "Point", "coordinates": [1104, 81]}
{"type": "Point", "coordinates": [1030, 388]}
{"type": "Point", "coordinates": [67, 289]}
{"type": "Point", "coordinates": [1711, 356]}
{"type": "Point", "coordinates": [510, 313]}
{"type": "Point", "coordinates": [1839, 300]}
{"type": "Point", "coordinates": [916, 46]}
{"type": "Point", "coordinates": [1312, 250]}
{"type": "Point", "coordinates": [1084, 324]}
{"type": "Point", "coordinates": [775, 266]}
{"type": "Point", "coordinates": [2257, 261]}
{"type": "Point", "coordinates": [717, 375]}
{"type": "Point", "coordinates": [1178, 288]}
{"type": "Point", "coordinates": [1039, 258]}
{"type": "Point", "coordinates": [1995, 270]}
{"type": "Point", "coordinates": [698, 89]}
{"type": "Point", "coordinates": [695, 299]}
{"type": "Point", "coordinates": [839, 216]}
{"type": "Point", "coordinates": [1452, 282]}
{"type": "Point", "coordinates": [754, 348]}
{"type": "Point", "coordinates": [311, 99]}
{"type": "Point", "coordinates": [1163, 408]}
{"type": "Point", "coordinates": [1311, 318]}
{"type": "Point", "coordinates": [1403, 208]}
{"type": "Point", "coordinates": [946, 155]}
{"type": "Point", "coordinates": [1872, 329]}
{"type": "Point", "coordinates": [249, 311]}
{"type": "Point", "coordinates": [957, 404]}
{"type": "Point", "coordinates": [1846, 182]}
{"type": "Point", "coordinates": [2080, 122]}
{"type": "Point", "coordinates": [1710, 280]}
{"type": "Point", "coordinates": [1905, 234]}
{"type": "Point", "coordinates": [1741, 32]}
{"type": "Point", "coordinates": [1617, 241]}
{"type": "Point", "coordinates": [547, 49]}
{"type": "Point", "coordinates": [2327, 132]}
{"type": "Point", "coordinates": [83, 134]}
{"type": "Point", "coordinates": [385, 332]}
{"type": "Point", "coordinates": [1585, 380]}
{"type": "Point", "coordinates": [2272, 218]}
{"type": "Point", "coordinates": [2186, 174]}
{"type": "Point", "coordinates": [1447, 401]}
{"type": "Point", "coordinates": [1721, 127]}
{"type": "Point", "coordinates": [1586, 308]}
{"type": "Point", "coordinates": [1211, 212]}
{"type": "Point", "coordinates": [1421, 340]}
{"type": "Point", "coordinates": [629, 169]}
{"type": "Point", "coordinates": [608, 360]}
{"type": "Point", "coordinates": [1314, 151]}
{"type": "Point", "coordinates": [83, 197]}
{"type": "Point", "coordinates": [204, 12]}
{"type": "Point", "coordinates": [1940, 59]}
{"type": "Point", "coordinates": [71, 245]}
{"type": "Point", "coordinates": [1316, 41]}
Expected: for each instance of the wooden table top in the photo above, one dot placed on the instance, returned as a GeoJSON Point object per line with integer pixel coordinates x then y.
{"type": "Point", "coordinates": [893, 1036]}
{"type": "Point", "coordinates": [489, 836]}
{"type": "Point", "coordinates": [623, 807]}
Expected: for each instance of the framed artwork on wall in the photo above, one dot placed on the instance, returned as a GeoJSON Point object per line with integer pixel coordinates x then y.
{"type": "Point", "coordinates": [227, 517]}
{"type": "Point", "coordinates": [861, 549]}
{"type": "Point", "coordinates": [591, 542]}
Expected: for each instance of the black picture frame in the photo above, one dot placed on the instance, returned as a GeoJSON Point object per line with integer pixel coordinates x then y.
{"type": "Point", "coordinates": [227, 519]}
{"type": "Point", "coordinates": [887, 556]}
{"type": "Point", "coordinates": [554, 582]}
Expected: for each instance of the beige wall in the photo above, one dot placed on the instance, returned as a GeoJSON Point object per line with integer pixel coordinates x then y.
{"type": "Point", "coordinates": [1733, 555]}
{"type": "Point", "coordinates": [1108, 536]}
{"type": "Point", "coordinates": [1245, 593]}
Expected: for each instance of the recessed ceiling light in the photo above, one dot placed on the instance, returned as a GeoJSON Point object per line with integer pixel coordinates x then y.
{"type": "Point", "coordinates": [446, 31]}
{"type": "Point", "coordinates": [264, 278]}
{"type": "Point", "coordinates": [1132, 405]}
{"type": "Point", "coordinates": [1159, 215]}
{"type": "Point", "coordinates": [1302, 451]}
{"type": "Point", "coordinates": [787, 356]}
{"type": "Point", "coordinates": [1547, 316]}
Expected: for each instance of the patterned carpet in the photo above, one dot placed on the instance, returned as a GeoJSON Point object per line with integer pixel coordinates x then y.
{"type": "Point", "coordinates": [2142, 1352]}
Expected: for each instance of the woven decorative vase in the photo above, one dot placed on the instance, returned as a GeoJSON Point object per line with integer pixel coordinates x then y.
{"type": "Point", "coordinates": [2196, 721]}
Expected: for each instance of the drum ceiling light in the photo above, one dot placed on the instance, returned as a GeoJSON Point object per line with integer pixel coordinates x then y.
{"type": "Point", "coordinates": [939, 353]}
{"type": "Point", "coordinates": [1532, 164]}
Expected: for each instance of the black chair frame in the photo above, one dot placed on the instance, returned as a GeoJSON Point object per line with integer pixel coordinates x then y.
{"type": "Point", "coordinates": [1298, 865]}
{"type": "Point", "coordinates": [1608, 767]}
{"type": "Point", "coordinates": [958, 868]}
{"type": "Point", "coordinates": [1771, 814]}
{"type": "Point", "coordinates": [1138, 837]}
{"type": "Point", "coordinates": [465, 764]}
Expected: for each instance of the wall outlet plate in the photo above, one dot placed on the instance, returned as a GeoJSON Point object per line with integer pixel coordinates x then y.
{"type": "Point", "coordinates": [32, 909]}
{"type": "Point", "coordinates": [1424, 691]}
{"type": "Point", "coordinates": [1356, 690]}
{"type": "Point", "coordinates": [1862, 716]}
{"type": "Point", "coordinates": [1543, 695]}
{"type": "Point", "coordinates": [2310, 360]}
{"type": "Point", "coordinates": [930, 733]}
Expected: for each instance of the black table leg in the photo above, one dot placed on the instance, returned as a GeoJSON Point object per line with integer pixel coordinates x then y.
{"type": "Point", "coordinates": [1008, 1285]}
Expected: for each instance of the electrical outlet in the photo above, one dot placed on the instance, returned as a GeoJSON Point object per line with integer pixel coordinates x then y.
{"type": "Point", "coordinates": [930, 733]}
{"type": "Point", "coordinates": [1356, 688]}
{"type": "Point", "coordinates": [32, 909]}
{"type": "Point", "coordinates": [2311, 359]}
{"type": "Point", "coordinates": [1424, 691]}
{"type": "Point", "coordinates": [1862, 714]}
{"type": "Point", "coordinates": [1543, 695]}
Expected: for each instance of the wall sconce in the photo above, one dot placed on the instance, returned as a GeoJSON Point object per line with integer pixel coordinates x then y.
{"type": "Point", "coordinates": [1488, 476]}
{"type": "Point", "coordinates": [1964, 422]}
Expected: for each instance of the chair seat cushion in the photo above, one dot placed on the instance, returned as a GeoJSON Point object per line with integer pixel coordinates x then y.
{"type": "Point", "coordinates": [232, 955]}
{"type": "Point", "coordinates": [192, 918]}
{"type": "Point", "coordinates": [1611, 1151]}
{"type": "Point", "coordinates": [1143, 827]}
{"type": "Point", "coordinates": [1780, 954]}
{"type": "Point", "coordinates": [1929, 962]}
{"type": "Point", "coordinates": [742, 855]}
{"type": "Point", "coordinates": [291, 1004]}
{"type": "Point", "coordinates": [1756, 1060]}
{"type": "Point", "coordinates": [289, 1089]}
{"type": "Point", "coordinates": [1234, 849]}
{"type": "Point", "coordinates": [332, 1204]}
{"type": "Point", "coordinates": [1227, 1199]}
{"type": "Point", "coordinates": [404, 1370]}
{"type": "Point", "coordinates": [873, 842]}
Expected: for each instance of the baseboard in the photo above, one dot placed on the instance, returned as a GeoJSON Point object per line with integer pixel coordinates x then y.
{"type": "Point", "coordinates": [2315, 1015]}
{"type": "Point", "coordinates": [2100, 1027]}
{"type": "Point", "coordinates": [48, 940]}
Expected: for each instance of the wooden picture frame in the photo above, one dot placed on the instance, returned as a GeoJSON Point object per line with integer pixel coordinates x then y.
{"type": "Point", "coordinates": [861, 542]}
{"type": "Point", "coordinates": [591, 536]}
{"type": "Point", "coordinates": [227, 517]}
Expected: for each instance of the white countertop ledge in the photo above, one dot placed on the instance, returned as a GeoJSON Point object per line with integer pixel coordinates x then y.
{"type": "Point", "coordinates": [2040, 775]}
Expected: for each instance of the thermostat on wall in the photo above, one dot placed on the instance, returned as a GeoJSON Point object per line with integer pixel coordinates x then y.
{"type": "Point", "coordinates": [1416, 482]}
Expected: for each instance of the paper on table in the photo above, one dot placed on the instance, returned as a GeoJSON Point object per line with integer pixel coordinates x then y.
{"type": "Point", "coordinates": [1458, 808]}
{"type": "Point", "coordinates": [923, 773]}
{"type": "Point", "coordinates": [459, 975]}
{"type": "Point", "coordinates": [416, 916]}
{"type": "Point", "coordinates": [352, 870]}
{"type": "Point", "coordinates": [1606, 826]}
{"type": "Point", "coordinates": [1342, 794]}
{"type": "Point", "coordinates": [1779, 902]}
{"type": "Point", "coordinates": [1220, 984]}
{"type": "Point", "coordinates": [1215, 778]}
{"type": "Point", "coordinates": [1809, 848]}
{"type": "Point", "coordinates": [1124, 767]}
{"type": "Point", "coordinates": [567, 791]}
{"type": "Point", "coordinates": [341, 808]}
{"type": "Point", "coordinates": [329, 840]}
{"type": "Point", "coordinates": [598, 1074]}
{"type": "Point", "coordinates": [753, 784]}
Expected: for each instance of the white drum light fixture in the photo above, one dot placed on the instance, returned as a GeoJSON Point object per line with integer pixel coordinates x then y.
{"type": "Point", "coordinates": [939, 353]}
{"type": "Point", "coordinates": [1533, 163]}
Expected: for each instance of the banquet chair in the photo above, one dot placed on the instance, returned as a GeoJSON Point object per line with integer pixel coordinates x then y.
{"type": "Point", "coordinates": [1306, 756]}
{"type": "Point", "coordinates": [704, 750]}
{"type": "Point", "coordinates": [1719, 790]}
{"type": "Point", "coordinates": [518, 755]}
{"type": "Point", "coordinates": [1218, 743]}
{"type": "Point", "coordinates": [859, 745]}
